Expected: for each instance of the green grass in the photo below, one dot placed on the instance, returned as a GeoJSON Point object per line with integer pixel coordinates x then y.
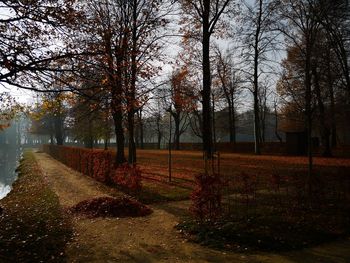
{"type": "Point", "coordinates": [33, 226]}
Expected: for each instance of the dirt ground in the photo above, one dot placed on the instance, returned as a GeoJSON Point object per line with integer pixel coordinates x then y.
{"type": "Point", "coordinates": [152, 238]}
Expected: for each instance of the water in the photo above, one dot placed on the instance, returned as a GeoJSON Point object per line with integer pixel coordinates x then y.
{"type": "Point", "coordinates": [9, 159]}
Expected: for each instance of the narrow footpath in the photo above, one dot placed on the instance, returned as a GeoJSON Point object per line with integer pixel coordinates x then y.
{"type": "Point", "coordinates": [152, 238]}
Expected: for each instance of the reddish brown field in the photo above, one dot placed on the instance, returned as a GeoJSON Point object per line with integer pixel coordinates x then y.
{"type": "Point", "coordinates": [185, 164]}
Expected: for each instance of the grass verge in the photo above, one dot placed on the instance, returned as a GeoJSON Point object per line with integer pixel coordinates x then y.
{"type": "Point", "coordinates": [34, 228]}
{"type": "Point", "coordinates": [269, 228]}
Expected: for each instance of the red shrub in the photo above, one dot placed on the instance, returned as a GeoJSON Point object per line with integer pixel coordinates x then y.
{"type": "Point", "coordinates": [128, 177]}
{"type": "Point", "coordinates": [248, 183]}
{"type": "Point", "coordinates": [206, 197]}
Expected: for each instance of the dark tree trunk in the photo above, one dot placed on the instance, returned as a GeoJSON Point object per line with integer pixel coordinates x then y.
{"type": "Point", "coordinates": [256, 84]}
{"type": "Point", "coordinates": [276, 122]}
{"type": "Point", "coordinates": [332, 106]}
{"type": "Point", "coordinates": [333, 120]}
{"type": "Point", "coordinates": [159, 132]}
{"type": "Point", "coordinates": [207, 124]}
{"type": "Point", "coordinates": [230, 124]}
{"type": "Point", "coordinates": [159, 140]}
{"type": "Point", "coordinates": [131, 93]}
{"type": "Point", "coordinates": [308, 113]}
{"type": "Point", "coordinates": [58, 129]}
{"type": "Point", "coordinates": [52, 128]}
{"type": "Point", "coordinates": [105, 144]}
{"type": "Point", "coordinates": [324, 130]}
{"type": "Point", "coordinates": [177, 131]}
{"type": "Point", "coordinates": [232, 121]}
{"type": "Point", "coordinates": [115, 77]}
{"type": "Point", "coordinates": [118, 128]}
{"type": "Point", "coordinates": [89, 141]}
{"type": "Point", "coordinates": [345, 67]}
{"type": "Point", "coordinates": [232, 118]}
{"type": "Point", "coordinates": [141, 129]}
{"type": "Point", "coordinates": [213, 118]}
{"type": "Point", "coordinates": [132, 146]}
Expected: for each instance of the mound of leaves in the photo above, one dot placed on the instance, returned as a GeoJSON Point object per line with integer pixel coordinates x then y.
{"type": "Point", "coordinates": [111, 207]}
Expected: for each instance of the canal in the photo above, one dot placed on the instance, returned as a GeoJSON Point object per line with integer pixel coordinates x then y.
{"type": "Point", "coordinates": [9, 160]}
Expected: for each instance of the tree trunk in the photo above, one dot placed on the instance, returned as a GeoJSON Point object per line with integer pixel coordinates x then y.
{"type": "Point", "coordinates": [213, 118]}
{"type": "Point", "coordinates": [230, 123]}
{"type": "Point", "coordinates": [105, 144]}
{"type": "Point", "coordinates": [159, 140]}
{"type": "Point", "coordinates": [177, 131]}
{"type": "Point", "coordinates": [333, 120]}
{"type": "Point", "coordinates": [332, 106]}
{"type": "Point", "coordinates": [276, 122]}
{"type": "Point", "coordinates": [131, 93]}
{"type": "Point", "coordinates": [115, 82]}
{"type": "Point", "coordinates": [58, 129]}
{"type": "Point", "coordinates": [207, 129]}
{"type": "Point", "coordinates": [257, 149]}
{"type": "Point", "coordinates": [118, 128]}
{"type": "Point", "coordinates": [308, 114]}
{"type": "Point", "coordinates": [141, 130]}
{"type": "Point", "coordinates": [159, 133]}
{"type": "Point", "coordinates": [169, 149]}
{"type": "Point", "coordinates": [132, 146]}
{"type": "Point", "coordinates": [324, 130]}
{"type": "Point", "coordinates": [232, 119]}
{"type": "Point", "coordinates": [89, 140]}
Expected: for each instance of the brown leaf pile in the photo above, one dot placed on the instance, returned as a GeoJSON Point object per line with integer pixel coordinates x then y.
{"type": "Point", "coordinates": [111, 207]}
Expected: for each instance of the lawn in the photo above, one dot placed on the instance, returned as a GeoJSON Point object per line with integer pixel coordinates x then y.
{"type": "Point", "coordinates": [186, 164]}
{"type": "Point", "coordinates": [265, 204]}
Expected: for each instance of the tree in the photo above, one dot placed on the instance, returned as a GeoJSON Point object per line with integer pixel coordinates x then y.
{"type": "Point", "coordinates": [259, 40]}
{"type": "Point", "coordinates": [28, 40]}
{"type": "Point", "coordinates": [128, 32]}
{"type": "Point", "coordinates": [155, 122]}
{"type": "Point", "coordinates": [228, 80]}
{"type": "Point", "coordinates": [90, 116]}
{"type": "Point", "coordinates": [205, 16]}
{"type": "Point", "coordinates": [303, 28]}
{"type": "Point", "coordinates": [49, 115]}
{"type": "Point", "coordinates": [9, 108]}
{"type": "Point", "coordinates": [264, 110]}
{"type": "Point", "coordinates": [181, 102]}
{"type": "Point", "coordinates": [334, 18]}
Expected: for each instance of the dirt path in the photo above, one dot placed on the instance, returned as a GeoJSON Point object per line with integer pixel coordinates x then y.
{"type": "Point", "coordinates": [152, 238]}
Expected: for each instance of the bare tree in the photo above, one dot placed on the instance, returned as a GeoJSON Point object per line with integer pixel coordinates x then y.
{"type": "Point", "coordinates": [29, 53]}
{"type": "Point", "coordinates": [301, 29]}
{"type": "Point", "coordinates": [228, 80]}
{"type": "Point", "coordinates": [259, 40]}
{"type": "Point", "coordinates": [207, 14]}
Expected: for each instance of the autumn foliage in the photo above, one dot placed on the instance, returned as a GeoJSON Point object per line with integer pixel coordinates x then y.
{"type": "Point", "coordinates": [206, 197]}
{"type": "Point", "coordinates": [128, 177]}
{"type": "Point", "coordinates": [111, 207]}
{"type": "Point", "coordinates": [98, 164]}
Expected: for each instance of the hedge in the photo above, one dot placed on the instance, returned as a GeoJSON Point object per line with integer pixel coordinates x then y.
{"type": "Point", "coordinates": [98, 164]}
